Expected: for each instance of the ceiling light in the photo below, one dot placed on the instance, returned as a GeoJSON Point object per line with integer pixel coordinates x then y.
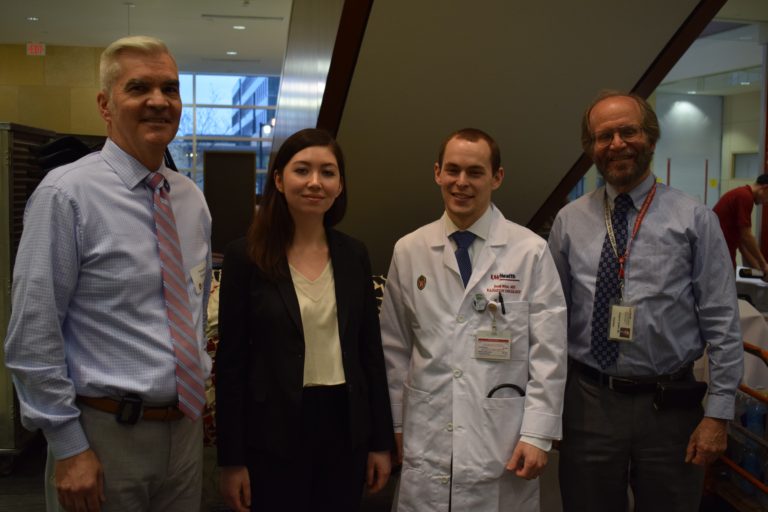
{"type": "Point", "coordinates": [33, 18]}
{"type": "Point", "coordinates": [237, 17]}
{"type": "Point", "coordinates": [690, 92]}
{"type": "Point", "coordinates": [238, 27]}
{"type": "Point", "coordinates": [231, 53]}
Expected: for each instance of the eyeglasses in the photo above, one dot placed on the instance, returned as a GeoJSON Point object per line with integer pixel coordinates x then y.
{"type": "Point", "coordinates": [627, 134]}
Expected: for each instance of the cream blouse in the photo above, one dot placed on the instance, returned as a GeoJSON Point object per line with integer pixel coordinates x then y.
{"type": "Point", "coordinates": [322, 346]}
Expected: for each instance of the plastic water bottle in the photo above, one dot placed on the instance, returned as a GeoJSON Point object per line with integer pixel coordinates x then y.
{"type": "Point", "coordinates": [754, 417]}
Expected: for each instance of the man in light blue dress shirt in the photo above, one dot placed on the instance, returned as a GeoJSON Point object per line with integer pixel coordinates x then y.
{"type": "Point", "coordinates": [88, 342]}
{"type": "Point", "coordinates": [636, 418]}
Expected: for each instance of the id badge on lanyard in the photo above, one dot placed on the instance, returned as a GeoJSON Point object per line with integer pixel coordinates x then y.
{"type": "Point", "coordinates": [621, 326]}
{"type": "Point", "coordinates": [495, 344]}
{"type": "Point", "coordinates": [622, 322]}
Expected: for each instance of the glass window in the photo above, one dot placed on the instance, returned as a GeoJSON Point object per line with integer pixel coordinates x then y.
{"type": "Point", "coordinates": [187, 88]}
{"type": "Point", "coordinates": [215, 118]}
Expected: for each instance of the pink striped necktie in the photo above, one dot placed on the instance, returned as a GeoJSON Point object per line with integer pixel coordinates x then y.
{"type": "Point", "coordinates": [189, 374]}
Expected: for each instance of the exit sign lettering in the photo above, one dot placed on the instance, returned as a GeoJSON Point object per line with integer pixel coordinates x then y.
{"type": "Point", "coordinates": [36, 49]}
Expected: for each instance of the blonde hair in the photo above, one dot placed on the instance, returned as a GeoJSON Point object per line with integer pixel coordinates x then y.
{"type": "Point", "coordinates": [109, 67]}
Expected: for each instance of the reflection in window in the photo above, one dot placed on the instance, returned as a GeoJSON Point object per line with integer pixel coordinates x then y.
{"type": "Point", "coordinates": [225, 113]}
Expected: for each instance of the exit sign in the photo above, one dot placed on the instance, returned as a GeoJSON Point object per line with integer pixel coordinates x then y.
{"type": "Point", "coordinates": [36, 49]}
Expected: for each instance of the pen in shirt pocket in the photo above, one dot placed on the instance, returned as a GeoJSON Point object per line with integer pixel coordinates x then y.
{"type": "Point", "coordinates": [501, 303]}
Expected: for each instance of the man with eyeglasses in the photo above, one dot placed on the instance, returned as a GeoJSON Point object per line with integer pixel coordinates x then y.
{"type": "Point", "coordinates": [649, 286]}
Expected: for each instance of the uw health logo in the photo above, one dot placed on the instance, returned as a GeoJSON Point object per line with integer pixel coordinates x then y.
{"type": "Point", "coordinates": [504, 277]}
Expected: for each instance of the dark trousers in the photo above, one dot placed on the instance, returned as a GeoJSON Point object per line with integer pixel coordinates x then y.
{"type": "Point", "coordinates": [612, 440]}
{"type": "Point", "coordinates": [325, 474]}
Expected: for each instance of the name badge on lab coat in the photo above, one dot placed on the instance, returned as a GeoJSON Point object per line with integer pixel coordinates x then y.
{"type": "Point", "coordinates": [493, 346]}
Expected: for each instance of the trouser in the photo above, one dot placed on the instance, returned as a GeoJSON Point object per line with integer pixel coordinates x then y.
{"type": "Point", "coordinates": [325, 473]}
{"type": "Point", "coordinates": [152, 466]}
{"type": "Point", "coordinates": [612, 440]}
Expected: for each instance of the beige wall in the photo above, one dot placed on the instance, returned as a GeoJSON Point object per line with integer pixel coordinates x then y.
{"type": "Point", "coordinates": [522, 71]}
{"type": "Point", "coordinates": [55, 92]}
{"type": "Point", "coordinates": [741, 133]}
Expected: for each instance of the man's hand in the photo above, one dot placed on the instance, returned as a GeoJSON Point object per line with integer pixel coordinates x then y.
{"type": "Point", "coordinates": [764, 270]}
{"type": "Point", "coordinates": [80, 482]}
{"type": "Point", "coordinates": [399, 447]}
{"type": "Point", "coordinates": [235, 488]}
{"type": "Point", "coordinates": [527, 461]}
{"type": "Point", "coordinates": [377, 471]}
{"type": "Point", "coordinates": [707, 442]}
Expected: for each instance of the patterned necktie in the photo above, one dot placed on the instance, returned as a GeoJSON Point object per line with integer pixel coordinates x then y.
{"type": "Point", "coordinates": [602, 349]}
{"type": "Point", "coordinates": [463, 240]}
{"type": "Point", "coordinates": [189, 374]}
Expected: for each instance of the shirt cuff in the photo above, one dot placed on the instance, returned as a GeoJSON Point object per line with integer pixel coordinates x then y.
{"type": "Point", "coordinates": [67, 440]}
{"type": "Point", "coordinates": [538, 442]}
{"type": "Point", "coordinates": [721, 407]}
{"type": "Point", "coordinates": [397, 417]}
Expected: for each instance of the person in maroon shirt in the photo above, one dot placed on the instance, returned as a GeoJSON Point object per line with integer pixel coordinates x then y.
{"type": "Point", "coordinates": [734, 209]}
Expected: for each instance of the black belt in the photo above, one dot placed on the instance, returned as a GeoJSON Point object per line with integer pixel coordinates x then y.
{"type": "Point", "coordinates": [628, 384]}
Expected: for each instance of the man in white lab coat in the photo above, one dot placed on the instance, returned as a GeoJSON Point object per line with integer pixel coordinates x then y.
{"type": "Point", "coordinates": [473, 325]}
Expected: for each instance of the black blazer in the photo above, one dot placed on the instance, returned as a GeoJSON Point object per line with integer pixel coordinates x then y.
{"type": "Point", "coordinates": [260, 357]}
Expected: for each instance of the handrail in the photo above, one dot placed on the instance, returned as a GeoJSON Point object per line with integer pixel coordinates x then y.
{"type": "Point", "coordinates": [746, 475]}
{"type": "Point", "coordinates": [756, 351]}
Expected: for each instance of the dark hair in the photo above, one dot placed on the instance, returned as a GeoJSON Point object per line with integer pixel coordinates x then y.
{"type": "Point", "coordinates": [650, 123]}
{"type": "Point", "coordinates": [762, 179]}
{"type": "Point", "coordinates": [472, 135]}
{"type": "Point", "coordinates": [271, 232]}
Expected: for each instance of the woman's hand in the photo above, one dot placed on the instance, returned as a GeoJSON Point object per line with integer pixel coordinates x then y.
{"type": "Point", "coordinates": [377, 472]}
{"type": "Point", "coordinates": [235, 488]}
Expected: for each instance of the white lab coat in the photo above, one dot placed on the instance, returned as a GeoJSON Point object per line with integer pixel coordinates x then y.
{"type": "Point", "coordinates": [456, 440]}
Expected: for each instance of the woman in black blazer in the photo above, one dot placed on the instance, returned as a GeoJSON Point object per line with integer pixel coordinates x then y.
{"type": "Point", "coordinates": [302, 407]}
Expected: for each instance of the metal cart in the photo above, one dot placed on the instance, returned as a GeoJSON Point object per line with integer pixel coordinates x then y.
{"type": "Point", "coordinates": [740, 476]}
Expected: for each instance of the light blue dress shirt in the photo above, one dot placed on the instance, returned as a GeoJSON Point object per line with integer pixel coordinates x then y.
{"type": "Point", "coordinates": [88, 313]}
{"type": "Point", "coordinates": [678, 276]}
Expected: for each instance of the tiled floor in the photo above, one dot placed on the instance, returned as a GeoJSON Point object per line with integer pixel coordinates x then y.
{"type": "Point", "coordinates": [21, 490]}
{"type": "Point", "coordinates": [21, 484]}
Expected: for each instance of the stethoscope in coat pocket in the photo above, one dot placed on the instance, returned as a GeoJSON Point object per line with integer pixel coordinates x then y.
{"type": "Point", "coordinates": [515, 387]}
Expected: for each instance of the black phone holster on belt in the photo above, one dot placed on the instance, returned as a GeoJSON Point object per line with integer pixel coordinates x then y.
{"type": "Point", "coordinates": [685, 394]}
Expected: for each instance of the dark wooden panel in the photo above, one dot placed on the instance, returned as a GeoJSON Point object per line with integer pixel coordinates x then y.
{"type": "Point", "coordinates": [230, 190]}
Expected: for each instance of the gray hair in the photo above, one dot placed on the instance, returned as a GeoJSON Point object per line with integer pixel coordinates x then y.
{"type": "Point", "coordinates": [109, 67]}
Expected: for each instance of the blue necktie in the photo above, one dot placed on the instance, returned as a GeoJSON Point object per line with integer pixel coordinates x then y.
{"type": "Point", "coordinates": [463, 240]}
{"type": "Point", "coordinates": [602, 349]}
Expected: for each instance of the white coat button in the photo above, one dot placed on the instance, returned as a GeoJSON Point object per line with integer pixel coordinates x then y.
{"type": "Point", "coordinates": [457, 373]}
{"type": "Point", "coordinates": [460, 319]}
{"type": "Point", "coordinates": [446, 480]}
{"type": "Point", "coordinates": [449, 428]}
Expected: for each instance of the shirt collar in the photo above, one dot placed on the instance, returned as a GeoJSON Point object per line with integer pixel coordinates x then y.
{"type": "Point", "coordinates": [481, 228]}
{"type": "Point", "coordinates": [637, 194]}
{"type": "Point", "coordinates": [128, 169]}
